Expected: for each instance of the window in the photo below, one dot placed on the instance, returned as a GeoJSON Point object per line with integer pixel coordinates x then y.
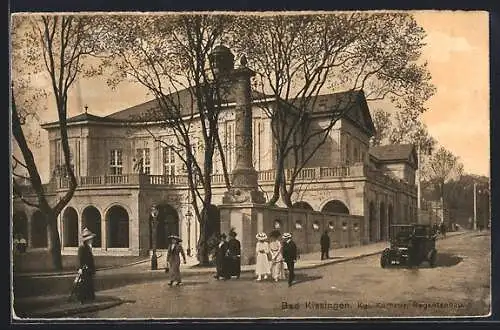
{"type": "Point", "coordinates": [60, 166]}
{"type": "Point", "coordinates": [168, 161]}
{"type": "Point", "coordinates": [116, 162]}
{"type": "Point", "coordinates": [229, 138]}
{"type": "Point", "coordinates": [144, 160]}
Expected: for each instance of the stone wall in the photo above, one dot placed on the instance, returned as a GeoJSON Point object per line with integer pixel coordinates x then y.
{"type": "Point", "coordinates": [306, 227]}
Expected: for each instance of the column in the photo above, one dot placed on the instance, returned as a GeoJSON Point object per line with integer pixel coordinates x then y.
{"type": "Point", "coordinates": [104, 233]}
{"type": "Point", "coordinates": [244, 186]}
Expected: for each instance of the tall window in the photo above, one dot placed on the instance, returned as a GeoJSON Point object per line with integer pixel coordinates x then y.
{"type": "Point", "coordinates": [61, 162]}
{"type": "Point", "coordinates": [144, 160]}
{"type": "Point", "coordinates": [256, 144]}
{"type": "Point", "coordinates": [229, 138]}
{"type": "Point", "coordinates": [168, 161]}
{"type": "Point", "coordinates": [116, 162]}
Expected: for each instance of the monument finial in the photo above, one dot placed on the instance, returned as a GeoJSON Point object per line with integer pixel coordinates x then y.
{"type": "Point", "coordinates": [86, 108]}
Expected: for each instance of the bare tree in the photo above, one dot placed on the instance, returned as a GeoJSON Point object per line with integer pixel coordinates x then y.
{"type": "Point", "coordinates": [299, 57]}
{"type": "Point", "coordinates": [170, 56]}
{"type": "Point", "coordinates": [55, 46]}
{"type": "Point", "coordinates": [442, 167]}
{"type": "Point", "coordinates": [382, 124]}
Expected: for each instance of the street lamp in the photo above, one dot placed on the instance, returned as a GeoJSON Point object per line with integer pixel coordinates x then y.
{"type": "Point", "coordinates": [154, 225]}
{"type": "Point", "coordinates": [188, 222]}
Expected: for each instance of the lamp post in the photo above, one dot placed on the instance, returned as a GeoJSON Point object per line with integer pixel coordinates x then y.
{"type": "Point", "coordinates": [154, 225]}
{"type": "Point", "coordinates": [188, 222]}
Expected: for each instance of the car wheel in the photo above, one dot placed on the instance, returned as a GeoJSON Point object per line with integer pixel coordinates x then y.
{"type": "Point", "coordinates": [433, 258]}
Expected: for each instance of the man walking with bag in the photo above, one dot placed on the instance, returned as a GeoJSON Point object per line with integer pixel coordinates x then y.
{"type": "Point", "coordinates": [290, 256]}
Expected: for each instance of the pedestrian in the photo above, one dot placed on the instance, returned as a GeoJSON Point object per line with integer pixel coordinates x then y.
{"type": "Point", "coordinates": [22, 244]}
{"type": "Point", "coordinates": [262, 267]}
{"type": "Point", "coordinates": [442, 228]}
{"type": "Point", "coordinates": [16, 244]}
{"type": "Point", "coordinates": [276, 256]}
{"type": "Point", "coordinates": [220, 257]}
{"type": "Point", "coordinates": [233, 255]}
{"type": "Point", "coordinates": [173, 259]}
{"type": "Point", "coordinates": [86, 291]}
{"type": "Point", "coordinates": [290, 256]}
{"type": "Point", "coordinates": [325, 245]}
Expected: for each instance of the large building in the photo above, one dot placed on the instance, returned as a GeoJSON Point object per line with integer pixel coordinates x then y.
{"type": "Point", "coordinates": [114, 197]}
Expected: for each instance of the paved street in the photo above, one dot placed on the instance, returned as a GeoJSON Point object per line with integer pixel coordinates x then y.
{"type": "Point", "coordinates": [459, 285]}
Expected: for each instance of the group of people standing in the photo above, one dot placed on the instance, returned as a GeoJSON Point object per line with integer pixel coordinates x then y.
{"type": "Point", "coordinates": [228, 257]}
{"type": "Point", "coordinates": [272, 254]}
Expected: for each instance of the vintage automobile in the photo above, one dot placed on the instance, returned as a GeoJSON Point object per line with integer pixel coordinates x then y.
{"type": "Point", "coordinates": [410, 246]}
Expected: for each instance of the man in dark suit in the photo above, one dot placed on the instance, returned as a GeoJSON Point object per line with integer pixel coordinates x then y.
{"type": "Point", "coordinates": [221, 258]}
{"type": "Point", "coordinates": [233, 256]}
{"type": "Point", "coordinates": [290, 256]}
{"type": "Point", "coordinates": [325, 245]}
{"type": "Point", "coordinates": [87, 269]}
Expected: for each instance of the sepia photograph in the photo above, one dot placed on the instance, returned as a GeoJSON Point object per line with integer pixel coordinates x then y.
{"type": "Point", "coordinates": [250, 165]}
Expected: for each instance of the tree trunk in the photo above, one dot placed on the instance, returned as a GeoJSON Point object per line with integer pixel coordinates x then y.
{"type": "Point", "coordinates": [203, 253]}
{"type": "Point", "coordinates": [279, 179]}
{"type": "Point", "coordinates": [54, 242]}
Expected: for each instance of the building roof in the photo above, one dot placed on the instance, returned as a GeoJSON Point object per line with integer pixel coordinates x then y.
{"type": "Point", "coordinates": [83, 117]}
{"type": "Point", "coordinates": [183, 100]}
{"type": "Point", "coordinates": [394, 153]}
{"type": "Point", "coordinates": [358, 112]}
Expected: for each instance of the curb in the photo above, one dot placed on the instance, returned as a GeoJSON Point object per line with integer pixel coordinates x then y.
{"type": "Point", "coordinates": [75, 310]}
{"type": "Point", "coordinates": [312, 266]}
{"type": "Point", "coordinates": [68, 273]}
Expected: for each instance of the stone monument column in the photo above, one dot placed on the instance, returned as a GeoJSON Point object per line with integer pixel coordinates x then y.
{"type": "Point", "coordinates": [243, 204]}
{"type": "Point", "coordinates": [244, 187]}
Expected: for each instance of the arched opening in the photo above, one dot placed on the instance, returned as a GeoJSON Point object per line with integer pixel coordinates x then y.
{"type": "Point", "coordinates": [372, 224]}
{"type": "Point", "coordinates": [213, 223]}
{"type": "Point", "coordinates": [383, 223]}
{"type": "Point", "coordinates": [70, 227]}
{"type": "Point", "coordinates": [91, 219]}
{"type": "Point", "coordinates": [168, 224]}
{"type": "Point", "coordinates": [389, 218]}
{"type": "Point", "coordinates": [118, 227]}
{"type": "Point", "coordinates": [335, 206]}
{"type": "Point", "coordinates": [302, 205]}
{"type": "Point", "coordinates": [20, 225]}
{"type": "Point", "coordinates": [38, 230]}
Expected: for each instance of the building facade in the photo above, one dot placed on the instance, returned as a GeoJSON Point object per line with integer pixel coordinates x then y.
{"type": "Point", "coordinates": [124, 165]}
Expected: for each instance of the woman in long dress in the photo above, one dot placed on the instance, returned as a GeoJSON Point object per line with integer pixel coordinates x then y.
{"type": "Point", "coordinates": [87, 269]}
{"type": "Point", "coordinates": [262, 267]}
{"type": "Point", "coordinates": [174, 261]}
{"type": "Point", "coordinates": [276, 256]}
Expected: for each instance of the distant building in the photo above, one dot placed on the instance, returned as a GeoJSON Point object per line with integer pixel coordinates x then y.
{"type": "Point", "coordinates": [121, 171]}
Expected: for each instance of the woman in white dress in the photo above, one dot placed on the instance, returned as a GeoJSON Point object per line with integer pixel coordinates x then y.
{"type": "Point", "coordinates": [262, 267]}
{"type": "Point", "coordinates": [276, 256]}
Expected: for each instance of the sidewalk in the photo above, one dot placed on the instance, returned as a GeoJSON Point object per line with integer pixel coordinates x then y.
{"type": "Point", "coordinates": [58, 306]}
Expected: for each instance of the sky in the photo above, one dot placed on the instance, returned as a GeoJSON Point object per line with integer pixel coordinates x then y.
{"type": "Point", "coordinates": [456, 50]}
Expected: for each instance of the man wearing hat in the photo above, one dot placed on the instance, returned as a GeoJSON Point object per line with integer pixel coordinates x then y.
{"type": "Point", "coordinates": [290, 256]}
{"type": "Point", "coordinates": [233, 255]}
{"type": "Point", "coordinates": [174, 252]}
{"type": "Point", "coordinates": [221, 258]}
{"type": "Point", "coordinates": [86, 291]}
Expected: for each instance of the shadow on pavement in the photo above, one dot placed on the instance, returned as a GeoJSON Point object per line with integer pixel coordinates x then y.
{"type": "Point", "coordinates": [443, 260]}
{"type": "Point", "coordinates": [302, 278]}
